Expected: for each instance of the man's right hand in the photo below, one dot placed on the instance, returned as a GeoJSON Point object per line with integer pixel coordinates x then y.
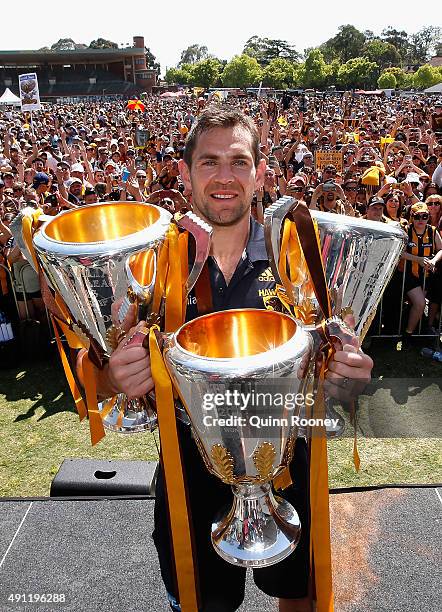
{"type": "Point", "coordinates": [129, 367]}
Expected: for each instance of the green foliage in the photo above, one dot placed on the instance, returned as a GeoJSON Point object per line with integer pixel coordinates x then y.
{"type": "Point", "coordinates": [403, 79]}
{"type": "Point", "coordinates": [207, 72]}
{"type": "Point", "coordinates": [64, 44]}
{"type": "Point", "coordinates": [180, 76]}
{"type": "Point", "coordinates": [102, 43]}
{"type": "Point", "coordinates": [397, 38]}
{"type": "Point", "coordinates": [383, 53]}
{"type": "Point", "coordinates": [347, 44]}
{"type": "Point", "coordinates": [423, 44]}
{"type": "Point", "coordinates": [150, 59]}
{"type": "Point", "coordinates": [193, 54]}
{"type": "Point", "coordinates": [387, 80]}
{"type": "Point", "coordinates": [426, 76]}
{"type": "Point", "coordinates": [358, 72]}
{"type": "Point", "coordinates": [279, 74]}
{"type": "Point", "coordinates": [314, 72]}
{"type": "Point", "coordinates": [264, 50]}
{"type": "Point", "coordinates": [242, 71]}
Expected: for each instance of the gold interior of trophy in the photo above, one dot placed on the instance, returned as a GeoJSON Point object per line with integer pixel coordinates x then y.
{"type": "Point", "coordinates": [236, 333]}
{"type": "Point", "coordinates": [102, 222]}
{"type": "Point", "coordinates": [142, 267]}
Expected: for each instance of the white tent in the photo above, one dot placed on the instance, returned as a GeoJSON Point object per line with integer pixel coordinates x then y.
{"type": "Point", "coordinates": [435, 89]}
{"type": "Point", "coordinates": [9, 99]}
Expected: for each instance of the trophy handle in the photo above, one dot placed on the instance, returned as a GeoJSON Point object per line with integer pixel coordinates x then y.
{"type": "Point", "coordinates": [330, 331]}
{"type": "Point", "coordinates": [274, 217]}
{"type": "Point", "coordinates": [202, 233]}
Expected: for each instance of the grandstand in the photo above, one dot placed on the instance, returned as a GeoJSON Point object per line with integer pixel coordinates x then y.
{"type": "Point", "coordinates": [81, 72]}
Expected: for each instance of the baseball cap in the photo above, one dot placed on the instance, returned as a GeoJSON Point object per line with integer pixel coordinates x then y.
{"type": "Point", "coordinates": [419, 207]}
{"type": "Point", "coordinates": [41, 178]}
{"type": "Point", "coordinates": [375, 200]}
{"type": "Point", "coordinates": [169, 151]}
{"type": "Point", "coordinates": [412, 177]}
{"type": "Point", "coordinates": [77, 168]}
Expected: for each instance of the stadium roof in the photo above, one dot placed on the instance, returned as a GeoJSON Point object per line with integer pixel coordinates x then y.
{"type": "Point", "coordinates": [78, 55]}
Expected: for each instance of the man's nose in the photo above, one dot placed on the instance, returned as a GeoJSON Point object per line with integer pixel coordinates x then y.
{"type": "Point", "coordinates": [224, 174]}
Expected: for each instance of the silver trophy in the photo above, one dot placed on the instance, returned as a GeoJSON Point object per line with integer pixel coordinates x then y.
{"type": "Point", "coordinates": [103, 258]}
{"type": "Point", "coordinates": [359, 258]}
{"type": "Point", "coordinates": [242, 354]}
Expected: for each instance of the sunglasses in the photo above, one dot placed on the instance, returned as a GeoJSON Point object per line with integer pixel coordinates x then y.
{"type": "Point", "coordinates": [297, 189]}
{"type": "Point", "coordinates": [422, 217]}
{"type": "Point", "coordinates": [433, 203]}
{"type": "Point", "coordinates": [351, 188]}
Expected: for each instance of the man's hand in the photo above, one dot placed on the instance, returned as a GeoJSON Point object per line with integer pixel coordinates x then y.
{"type": "Point", "coordinates": [349, 369]}
{"type": "Point", "coordinates": [129, 368]}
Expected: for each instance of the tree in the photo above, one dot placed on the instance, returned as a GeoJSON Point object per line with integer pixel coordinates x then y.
{"type": "Point", "coordinates": [358, 72]}
{"type": "Point", "coordinates": [314, 72]}
{"type": "Point", "coordinates": [423, 44]}
{"type": "Point", "coordinates": [347, 44]}
{"type": "Point", "coordinates": [403, 79]}
{"type": "Point", "coordinates": [64, 44]}
{"type": "Point", "coordinates": [193, 54]}
{"type": "Point", "coordinates": [150, 60]}
{"type": "Point", "coordinates": [102, 43]}
{"type": "Point", "coordinates": [180, 76]}
{"type": "Point", "coordinates": [387, 80]}
{"type": "Point", "coordinates": [426, 76]}
{"type": "Point", "coordinates": [242, 71]}
{"type": "Point", "coordinates": [264, 50]}
{"type": "Point", "coordinates": [279, 74]}
{"type": "Point", "coordinates": [207, 72]}
{"type": "Point", "coordinates": [383, 53]}
{"type": "Point", "coordinates": [397, 38]}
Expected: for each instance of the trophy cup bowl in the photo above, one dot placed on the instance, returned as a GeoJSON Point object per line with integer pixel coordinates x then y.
{"type": "Point", "coordinates": [359, 258]}
{"type": "Point", "coordinates": [235, 354]}
{"type": "Point", "coordinates": [94, 256]}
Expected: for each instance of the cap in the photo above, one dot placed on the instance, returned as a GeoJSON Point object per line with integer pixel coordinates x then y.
{"type": "Point", "coordinates": [41, 178]}
{"type": "Point", "coordinates": [419, 207]}
{"type": "Point", "coordinates": [77, 168]}
{"type": "Point", "coordinates": [375, 200]}
{"type": "Point", "coordinates": [169, 150]}
{"type": "Point", "coordinates": [412, 177]}
{"type": "Point", "coordinates": [75, 180]}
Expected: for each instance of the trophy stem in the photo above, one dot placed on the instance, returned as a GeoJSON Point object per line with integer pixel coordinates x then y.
{"type": "Point", "coordinates": [259, 530]}
{"type": "Point", "coordinates": [128, 416]}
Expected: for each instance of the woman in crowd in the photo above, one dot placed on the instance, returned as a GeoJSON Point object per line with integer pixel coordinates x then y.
{"type": "Point", "coordinates": [423, 252]}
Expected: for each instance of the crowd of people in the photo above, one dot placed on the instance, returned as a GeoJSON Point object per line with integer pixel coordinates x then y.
{"type": "Point", "coordinates": [373, 157]}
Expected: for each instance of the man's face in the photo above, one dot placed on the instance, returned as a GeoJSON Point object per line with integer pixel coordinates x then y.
{"type": "Point", "coordinates": [76, 189]}
{"type": "Point", "coordinates": [223, 177]}
{"type": "Point", "coordinates": [38, 165]}
{"type": "Point", "coordinates": [374, 212]}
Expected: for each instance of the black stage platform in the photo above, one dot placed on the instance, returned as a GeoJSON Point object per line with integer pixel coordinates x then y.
{"type": "Point", "coordinates": [100, 555]}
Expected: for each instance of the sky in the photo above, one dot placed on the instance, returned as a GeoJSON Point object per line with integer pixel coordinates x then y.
{"type": "Point", "coordinates": [224, 26]}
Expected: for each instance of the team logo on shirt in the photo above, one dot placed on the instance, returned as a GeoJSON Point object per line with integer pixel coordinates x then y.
{"type": "Point", "coordinates": [267, 276]}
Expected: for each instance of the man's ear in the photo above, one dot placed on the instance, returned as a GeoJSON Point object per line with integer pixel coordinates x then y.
{"type": "Point", "coordinates": [185, 174]}
{"type": "Point", "coordinates": [260, 173]}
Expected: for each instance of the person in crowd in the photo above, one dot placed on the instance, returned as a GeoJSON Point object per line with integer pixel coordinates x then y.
{"type": "Point", "coordinates": [423, 253]}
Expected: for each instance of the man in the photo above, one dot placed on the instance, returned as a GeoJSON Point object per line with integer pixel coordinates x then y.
{"type": "Point", "coordinates": [222, 169]}
{"type": "Point", "coordinates": [375, 210]}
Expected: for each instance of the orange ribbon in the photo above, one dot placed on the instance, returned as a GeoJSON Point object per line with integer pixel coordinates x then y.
{"type": "Point", "coordinates": [173, 473]}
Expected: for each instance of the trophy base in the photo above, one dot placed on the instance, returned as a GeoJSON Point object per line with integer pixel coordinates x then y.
{"type": "Point", "coordinates": [259, 530]}
{"type": "Point", "coordinates": [122, 415]}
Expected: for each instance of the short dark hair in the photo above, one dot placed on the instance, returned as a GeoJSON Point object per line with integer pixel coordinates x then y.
{"type": "Point", "coordinates": [220, 117]}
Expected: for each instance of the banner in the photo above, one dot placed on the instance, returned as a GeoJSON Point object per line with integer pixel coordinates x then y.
{"type": "Point", "coordinates": [323, 158]}
{"type": "Point", "coordinates": [29, 94]}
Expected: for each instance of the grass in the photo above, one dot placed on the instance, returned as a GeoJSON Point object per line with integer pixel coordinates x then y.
{"type": "Point", "coordinates": [39, 429]}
